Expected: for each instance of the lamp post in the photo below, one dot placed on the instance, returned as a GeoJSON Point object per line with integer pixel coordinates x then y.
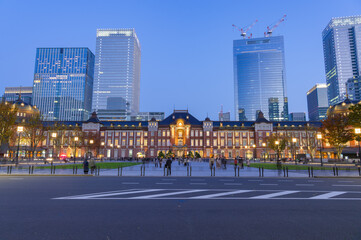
{"type": "Point", "coordinates": [254, 152]}
{"type": "Point", "coordinates": [20, 129]}
{"type": "Point", "coordinates": [319, 137]}
{"type": "Point", "coordinates": [91, 141]}
{"type": "Point", "coordinates": [103, 144]}
{"type": "Point", "coordinates": [54, 135]}
{"type": "Point", "coordinates": [294, 140]}
{"type": "Point", "coordinates": [358, 132]}
{"type": "Point", "coordinates": [264, 153]}
{"type": "Point", "coordinates": [278, 152]}
{"type": "Point", "coordinates": [76, 139]}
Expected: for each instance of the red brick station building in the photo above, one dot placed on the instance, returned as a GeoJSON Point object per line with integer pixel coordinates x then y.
{"type": "Point", "coordinates": [180, 133]}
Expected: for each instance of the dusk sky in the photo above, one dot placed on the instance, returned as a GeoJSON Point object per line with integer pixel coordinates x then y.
{"type": "Point", "coordinates": [186, 45]}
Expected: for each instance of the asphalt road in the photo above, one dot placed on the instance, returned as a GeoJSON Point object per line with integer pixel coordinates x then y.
{"type": "Point", "coordinates": [179, 208]}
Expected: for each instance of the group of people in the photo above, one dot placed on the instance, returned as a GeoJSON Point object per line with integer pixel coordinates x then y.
{"type": "Point", "coordinates": [89, 164]}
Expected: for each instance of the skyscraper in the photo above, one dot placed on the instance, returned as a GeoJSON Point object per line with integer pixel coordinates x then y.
{"type": "Point", "coordinates": [297, 117]}
{"type": "Point", "coordinates": [317, 102]}
{"type": "Point", "coordinates": [12, 93]}
{"type": "Point", "coordinates": [259, 78]}
{"type": "Point", "coordinates": [342, 53]}
{"type": "Point", "coordinates": [63, 83]}
{"type": "Point", "coordinates": [117, 72]}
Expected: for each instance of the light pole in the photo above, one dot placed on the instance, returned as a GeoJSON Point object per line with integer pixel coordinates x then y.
{"type": "Point", "coordinates": [358, 132]}
{"type": "Point", "coordinates": [54, 135]}
{"type": "Point", "coordinates": [91, 141]}
{"type": "Point", "coordinates": [319, 137]}
{"type": "Point", "coordinates": [278, 152]}
{"type": "Point", "coordinates": [264, 153]}
{"type": "Point", "coordinates": [76, 139]}
{"type": "Point", "coordinates": [103, 144]}
{"type": "Point", "coordinates": [294, 140]}
{"type": "Point", "coordinates": [254, 152]}
{"type": "Point", "coordinates": [20, 129]}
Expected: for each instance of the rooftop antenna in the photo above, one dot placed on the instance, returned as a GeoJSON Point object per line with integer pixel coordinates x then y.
{"type": "Point", "coordinates": [20, 93]}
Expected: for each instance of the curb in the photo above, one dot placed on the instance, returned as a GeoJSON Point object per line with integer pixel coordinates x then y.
{"type": "Point", "coordinates": [46, 175]}
{"type": "Point", "coordinates": [337, 176]}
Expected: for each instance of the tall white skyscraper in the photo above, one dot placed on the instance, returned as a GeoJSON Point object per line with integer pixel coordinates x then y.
{"type": "Point", "coordinates": [117, 73]}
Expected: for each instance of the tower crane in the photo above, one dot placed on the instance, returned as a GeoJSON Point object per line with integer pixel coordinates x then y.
{"type": "Point", "coordinates": [271, 28]}
{"type": "Point", "coordinates": [244, 32]}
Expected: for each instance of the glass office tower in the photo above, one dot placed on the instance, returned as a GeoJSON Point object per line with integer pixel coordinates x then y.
{"type": "Point", "coordinates": [117, 72]}
{"type": "Point", "coordinates": [13, 93]}
{"type": "Point", "coordinates": [259, 78]}
{"type": "Point", "coordinates": [63, 83]}
{"type": "Point", "coordinates": [342, 55]}
{"type": "Point", "coordinates": [317, 102]}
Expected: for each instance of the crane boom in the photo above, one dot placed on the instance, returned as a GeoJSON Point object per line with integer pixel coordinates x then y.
{"type": "Point", "coordinates": [244, 32]}
{"type": "Point", "coordinates": [270, 29]}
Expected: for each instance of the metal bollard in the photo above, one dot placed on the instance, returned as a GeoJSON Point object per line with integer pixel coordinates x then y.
{"type": "Point", "coordinates": [121, 171]}
{"type": "Point", "coordinates": [51, 170]}
{"type": "Point", "coordinates": [164, 171]}
{"type": "Point", "coordinates": [190, 171]}
{"type": "Point", "coordinates": [54, 169]}
{"type": "Point", "coordinates": [312, 171]}
{"type": "Point", "coordinates": [259, 170]}
{"type": "Point", "coordinates": [214, 171]}
{"type": "Point", "coordinates": [143, 170]}
{"type": "Point", "coordinates": [238, 171]}
{"type": "Point", "coordinates": [29, 169]}
{"type": "Point", "coordinates": [235, 170]}
{"type": "Point", "coordinates": [284, 171]}
{"type": "Point", "coordinates": [98, 171]}
{"type": "Point", "coordinates": [309, 171]}
{"type": "Point", "coordinates": [359, 171]}
{"type": "Point", "coordinates": [187, 170]}
{"type": "Point", "coordinates": [336, 171]}
{"type": "Point", "coordinates": [262, 171]}
{"type": "Point", "coordinates": [76, 169]}
{"type": "Point", "coordinates": [118, 171]}
{"type": "Point", "coordinates": [287, 171]}
{"type": "Point", "coordinates": [32, 169]}
{"type": "Point", "coordinates": [211, 172]}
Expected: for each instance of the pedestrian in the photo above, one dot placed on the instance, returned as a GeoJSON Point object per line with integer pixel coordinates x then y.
{"type": "Point", "coordinates": [211, 163]}
{"type": "Point", "coordinates": [168, 165]}
{"type": "Point", "coordinates": [224, 161]}
{"type": "Point", "coordinates": [86, 166]}
{"type": "Point", "coordinates": [235, 161]}
{"type": "Point", "coordinates": [156, 162]}
{"type": "Point", "coordinates": [247, 162]}
{"type": "Point", "coordinates": [92, 165]}
{"type": "Point", "coordinates": [160, 163]}
{"type": "Point", "coordinates": [242, 163]}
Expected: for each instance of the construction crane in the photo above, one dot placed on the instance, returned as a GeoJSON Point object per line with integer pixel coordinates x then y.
{"type": "Point", "coordinates": [244, 32]}
{"type": "Point", "coordinates": [271, 28]}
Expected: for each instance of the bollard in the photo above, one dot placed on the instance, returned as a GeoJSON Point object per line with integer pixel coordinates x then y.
{"type": "Point", "coordinates": [32, 169]}
{"type": "Point", "coordinates": [284, 171]}
{"type": "Point", "coordinates": [334, 171]}
{"type": "Point", "coordinates": [54, 169]}
{"type": "Point", "coordinates": [73, 170]}
{"type": "Point", "coordinates": [190, 171]}
{"type": "Point", "coordinates": [29, 170]}
{"type": "Point", "coordinates": [259, 170]}
{"type": "Point", "coordinates": [309, 172]}
{"type": "Point", "coordinates": [235, 170]}
{"type": "Point", "coordinates": [76, 169]}
{"type": "Point", "coordinates": [121, 171]}
{"type": "Point", "coordinates": [118, 171]}
{"type": "Point", "coordinates": [143, 170]}
{"type": "Point", "coordinates": [98, 171]}
{"type": "Point", "coordinates": [214, 171]}
{"type": "Point", "coordinates": [7, 170]}
{"type": "Point", "coordinates": [164, 171]}
{"type": "Point", "coordinates": [262, 171]}
{"type": "Point", "coordinates": [359, 171]}
{"type": "Point", "coordinates": [337, 171]}
{"type": "Point", "coordinates": [287, 171]}
{"type": "Point", "coordinates": [51, 170]}
{"type": "Point", "coordinates": [211, 172]}
{"type": "Point", "coordinates": [238, 171]}
{"type": "Point", "coordinates": [11, 169]}
{"type": "Point", "coordinates": [312, 171]}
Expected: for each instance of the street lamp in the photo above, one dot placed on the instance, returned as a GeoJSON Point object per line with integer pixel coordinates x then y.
{"type": "Point", "coordinates": [254, 152]}
{"type": "Point", "coordinates": [20, 129]}
{"type": "Point", "coordinates": [319, 137]}
{"type": "Point", "coordinates": [76, 139]}
{"type": "Point", "coordinates": [264, 154]}
{"type": "Point", "coordinates": [54, 135]}
{"type": "Point", "coordinates": [278, 152]}
{"type": "Point", "coordinates": [358, 132]}
{"type": "Point", "coordinates": [294, 140]}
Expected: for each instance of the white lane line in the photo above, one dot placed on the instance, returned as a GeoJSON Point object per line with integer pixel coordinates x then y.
{"type": "Point", "coordinates": [226, 180]}
{"type": "Point", "coordinates": [198, 183]}
{"type": "Point", "coordinates": [233, 184]}
{"type": "Point", "coordinates": [197, 179]}
{"type": "Point", "coordinates": [270, 195]}
{"type": "Point", "coordinates": [340, 185]}
{"type": "Point", "coordinates": [164, 183]}
{"type": "Point", "coordinates": [268, 184]}
{"type": "Point", "coordinates": [307, 185]}
{"type": "Point", "coordinates": [130, 182]}
{"type": "Point", "coordinates": [167, 194]}
{"type": "Point", "coordinates": [220, 194]}
{"type": "Point", "coordinates": [15, 178]}
{"type": "Point", "coordinates": [97, 193]}
{"type": "Point", "coordinates": [327, 195]}
{"type": "Point", "coordinates": [170, 179]}
{"type": "Point", "coordinates": [345, 181]}
{"type": "Point", "coordinates": [315, 181]}
{"type": "Point", "coordinates": [228, 198]}
{"type": "Point", "coordinates": [255, 180]}
{"type": "Point", "coordinates": [110, 194]}
{"type": "Point", "coordinates": [285, 180]}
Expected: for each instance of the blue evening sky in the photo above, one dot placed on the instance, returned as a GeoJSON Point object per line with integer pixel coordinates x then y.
{"type": "Point", "coordinates": [186, 45]}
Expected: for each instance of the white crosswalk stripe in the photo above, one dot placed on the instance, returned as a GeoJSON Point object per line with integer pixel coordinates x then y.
{"type": "Point", "coordinates": [229, 194]}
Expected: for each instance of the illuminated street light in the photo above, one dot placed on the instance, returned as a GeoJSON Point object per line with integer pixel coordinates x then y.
{"type": "Point", "coordinates": [358, 132]}
{"type": "Point", "coordinates": [319, 137]}
{"type": "Point", "coordinates": [20, 129]}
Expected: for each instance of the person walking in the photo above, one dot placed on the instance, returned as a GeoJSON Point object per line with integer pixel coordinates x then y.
{"type": "Point", "coordinates": [168, 165]}
{"type": "Point", "coordinates": [86, 166]}
{"type": "Point", "coordinates": [92, 165]}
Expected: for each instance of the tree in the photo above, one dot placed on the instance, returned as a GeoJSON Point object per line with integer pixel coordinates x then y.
{"type": "Point", "coordinates": [354, 119]}
{"type": "Point", "coordinates": [336, 132]}
{"type": "Point", "coordinates": [277, 144]}
{"type": "Point", "coordinates": [34, 132]}
{"type": "Point", "coordinates": [197, 155]}
{"type": "Point", "coordinates": [169, 154]}
{"type": "Point", "coordinates": [190, 154]}
{"type": "Point", "coordinates": [93, 142]}
{"type": "Point", "coordinates": [310, 141]}
{"type": "Point", "coordinates": [7, 123]}
{"type": "Point", "coordinates": [161, 155]}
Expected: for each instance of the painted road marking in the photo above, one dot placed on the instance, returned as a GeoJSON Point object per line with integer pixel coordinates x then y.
{"type": "Point", "coordinates": [307, 185]}
{"type": "Point", "coordinates": [345, 181]}
{"type": "Point", "coordinates": [268, 184]}
{"type": "Point", "coordinates": [167, 194]}
{"type": "Point", "coordinates": [198, 183]}
{"type": "Point", "coordinates": [164, 183]}
{"type": "Point", "coordinates": [220, 194]}
{"type": "Point", "coordinates": [229, 194]}
{"type": "Point", "coordinates": [339, 185]}
{"type": "Point", "coordinates": [270, 195]}
{"type": "Point", "coordinates": [233, 184]}
{"type": "Point", "coordinates": [255, 180]}
{"type": "Point", "coordinates": [226, 180]}
{"type": "Point", "coordinates": [315, 181]}
{"type": "Point", "coordinates": [130, 182]}
{"type": "Point", "coordinates": [328, 195]}
{"type": "Point", "coordinates": [170, 179]}
{"type": "Point", "coordinates": [285, 180]}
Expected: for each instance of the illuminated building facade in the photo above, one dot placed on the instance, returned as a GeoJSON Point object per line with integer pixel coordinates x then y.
{"type": "Point", "coordinates": [317, 102]}
{"type": "Point", "coordinates": [342, 53]}
{"type": "Point", "coordinates": [63, 83]}
{"type": "Point", "coordinates": [259, 78]}
{"type": "Point", "coordinates": [13, 93]}
{"type": "Point", "coordinates": [117, 72]}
